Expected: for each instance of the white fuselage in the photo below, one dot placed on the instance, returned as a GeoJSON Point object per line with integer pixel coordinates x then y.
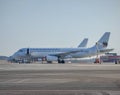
{"type": "Point", "coordinates": [43, 52]}
{"type": "Point", "coordinates": [62, 53]}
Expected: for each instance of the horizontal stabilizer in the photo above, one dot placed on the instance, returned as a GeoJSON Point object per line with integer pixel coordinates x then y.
{"type": "Point", "coordinates": [105, 50]}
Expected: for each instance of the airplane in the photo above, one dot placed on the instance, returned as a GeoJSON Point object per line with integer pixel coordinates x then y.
{"type": "Point", "coordinates": [60, 54]}
{"type": "Point", "coordinates": [22, 60]}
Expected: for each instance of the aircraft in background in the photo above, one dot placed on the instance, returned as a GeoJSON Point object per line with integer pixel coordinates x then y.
{"type": "Point", "coordinates": [83, 43]}
{"type": "Point", "coordinates": [59, 54]}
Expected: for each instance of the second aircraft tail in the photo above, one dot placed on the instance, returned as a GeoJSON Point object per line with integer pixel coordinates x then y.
{"type": "Point", "coordinates": [83, 43]}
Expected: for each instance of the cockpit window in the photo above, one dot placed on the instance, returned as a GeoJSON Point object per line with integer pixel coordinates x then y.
{"type": "Point", "coordinates": [20, 50]}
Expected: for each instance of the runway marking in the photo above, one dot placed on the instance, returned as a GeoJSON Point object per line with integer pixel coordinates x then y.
{"type": "Point", "coordinates": [15, 81]}
{"type": "Point", "coordinates": [91, 65]}
{"type": "Point", "coordinates": [63, 92]}
{"type": "Point", "coordinates": [11, 81]}
{"type": "Point", "coordinates": [23, 80]}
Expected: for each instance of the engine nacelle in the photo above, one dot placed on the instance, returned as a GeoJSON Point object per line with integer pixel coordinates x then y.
{"type": "Point", "coordinates": [51, 58]}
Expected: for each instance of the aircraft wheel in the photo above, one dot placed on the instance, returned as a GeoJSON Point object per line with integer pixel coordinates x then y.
{"type": "Point", "coordinates": [59, 61]}
{"type": "Point", "coordinates": [116, 62]}
{"type": "Point", "coordinates": [63, 61]}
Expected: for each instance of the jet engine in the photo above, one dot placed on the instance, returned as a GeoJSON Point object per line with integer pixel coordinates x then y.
{"type": "Point", "coordinates": [51, 58]}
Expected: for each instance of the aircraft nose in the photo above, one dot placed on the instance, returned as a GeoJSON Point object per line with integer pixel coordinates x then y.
{"type": "Point", "coordinates": [10, 58]}
{"type": "Point", "coordinates": [16, 55]}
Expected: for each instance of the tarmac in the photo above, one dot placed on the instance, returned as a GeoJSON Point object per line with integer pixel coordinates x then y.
{"type": "Point", "coordinates": [59, 79]}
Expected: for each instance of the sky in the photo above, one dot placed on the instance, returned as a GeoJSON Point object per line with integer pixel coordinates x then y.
{"type": "Point", "coordinates": [57, 23]}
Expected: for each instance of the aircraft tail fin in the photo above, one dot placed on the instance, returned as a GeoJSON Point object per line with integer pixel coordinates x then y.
{"type": "Point", "coordinates": [83, 43]}
{"type": "Point", "coordinates": [103, 42]}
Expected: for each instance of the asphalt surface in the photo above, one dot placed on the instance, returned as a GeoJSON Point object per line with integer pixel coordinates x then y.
{"type": "Point", "coordinates": [59, 79]}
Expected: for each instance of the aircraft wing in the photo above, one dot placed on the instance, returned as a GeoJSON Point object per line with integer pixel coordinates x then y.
{"type": "Point", "coordinates": [63, 54]}
{"type": "Point", "coordinates": [105, 50]}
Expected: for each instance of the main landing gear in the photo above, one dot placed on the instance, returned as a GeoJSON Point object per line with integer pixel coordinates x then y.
{"type": "Point", "coordinates": [61, 61]}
